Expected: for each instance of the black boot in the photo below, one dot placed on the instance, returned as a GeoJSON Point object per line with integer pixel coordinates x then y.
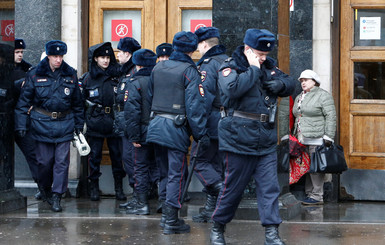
{"type": "Point", "coordinates": [173, 224]}
{"type": "Point", "coordinates": [56, 198]}
{"type": "Point", "coordinates": [38, 196]}
{"type": "Point", "coordinates": [153, 192]}
{"type": "Point", "coordinates": [159, 207]}
{"type": "Point", "coordinates": [94, 190]}
{"type": "Point", "coordinates": [119, 194]}
{"type": "Point", "coordinates": [130, 202]}
{"type": "Point", "coordinates": [46, 194]}
{"type": "Point", "coordinates": [140, 207]}
{"type": "Point", "coordinates": [217, 236]}
{"type": "Point", "coordinates": [211, 201]}
{"type": "Point", "coordinates": [272, 236]}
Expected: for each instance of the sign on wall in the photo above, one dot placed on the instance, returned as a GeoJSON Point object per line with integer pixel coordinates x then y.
{"type": "Point", "coordinates": [120, 29]}
{"type": "Point", "coordinates": [196, 24]}
{"type": "Point", "coordinates": [370, 28]}
{"type": "Point", "coordinates": [8, 30]}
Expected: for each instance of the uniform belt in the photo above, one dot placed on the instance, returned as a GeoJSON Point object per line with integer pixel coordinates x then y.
{"type": "Point", "coordinates": [165, 115]}
{"type": "Point", "coordinates": [252, 116]}
{"type": "Point", "coordinates": [106, 109]}
{"type": "Point", "coordinates": [54, 114]}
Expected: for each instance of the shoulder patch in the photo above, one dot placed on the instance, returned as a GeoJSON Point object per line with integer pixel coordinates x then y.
{"type": "Point", "coordinates": [226, 72]}
{"type": "Point", "coordinates": [203, 75]}
{"type": "Point", "coordinates": [201, 90]}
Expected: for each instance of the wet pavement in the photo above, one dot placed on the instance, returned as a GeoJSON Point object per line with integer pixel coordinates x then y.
{"type": "Point", "coordinates": [86, 222]}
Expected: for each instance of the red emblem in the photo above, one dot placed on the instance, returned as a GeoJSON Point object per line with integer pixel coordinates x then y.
{"type": "Point", "coordinates": [272, 73]}
{"type": "Point", "coordinates": [203, 76]}
{"type": "Point", "coordinates": [125, 95]}
{"type": "Point", "coordinates": [226, 72]}
{"type": "Point", "coordinates": [201, 90]}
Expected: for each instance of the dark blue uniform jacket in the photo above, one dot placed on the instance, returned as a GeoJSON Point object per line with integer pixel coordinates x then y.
{"type": "Point", "coordinates": [53, 92]}
{"type": "Point", "coordinates": [126, 72]}
{"type": "Point", "coordinates": [209, 65]}
{"type": "Point", "coordinates": [99, 89]}
{"type": "Point", "coordinates": [137, 108]}
{"type": "Point", "coordinates": [162, 130]}
{"type": "Point", "coordinates": [241, 90]}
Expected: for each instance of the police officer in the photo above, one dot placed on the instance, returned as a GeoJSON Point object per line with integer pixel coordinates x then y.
{"type": "Point", "coordinates": [163, 51]}
{"type": "Point", "coordinates": [137, 114]}
{"type": "Point", "coordinates": [208, 167]}
{"type": "Point", "coordinates": [20, 63]}
{"type": "Point", "coordinates": [126, 46]}
{"type": "Point", "coordinates": [27, 143]}
{"type": "Point", "coordinates": [179, 111]}
{"type": "Point", "coordinates": [99, 87]}
{"type": "Point", "coordinates": [51, 88]}
{"type": "Point", "coordinates": [250, 83]}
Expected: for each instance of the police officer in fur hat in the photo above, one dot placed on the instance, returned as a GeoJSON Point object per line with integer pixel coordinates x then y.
{"type": "Point", "coordinates": [137, 114]}
{"type": "Point", "coordinates": [163, 51]}
{"type": "Point", "coordinates": [178, 110]}
{"type": "Point", "coordinates": [208, 168]}
{"type": "Point", "coordinates": [51, 88]}
{"type": "Point", "coordinates": [99, 87]}
{"type": "Point", "coordinates": [20, 63]}
{"type": "Point", "coordinates": [250, 83]}
{"type": "Point", "coordinates": [126, 46]}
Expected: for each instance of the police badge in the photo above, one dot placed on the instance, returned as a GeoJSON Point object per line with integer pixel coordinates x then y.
{"type": "Point", "coordinates": [67, 91]}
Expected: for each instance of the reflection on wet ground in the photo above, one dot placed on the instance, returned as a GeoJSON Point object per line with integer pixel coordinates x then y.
{"type": "Point", "coordinates": [86, 222]}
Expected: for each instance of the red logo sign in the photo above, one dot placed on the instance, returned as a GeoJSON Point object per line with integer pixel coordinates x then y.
{"type": "Point", "coordinates": [196, 24]}
{"type": "Point", "coordinates": [120, 29]}
{"type": "Point", "coordinates": [8, 30]}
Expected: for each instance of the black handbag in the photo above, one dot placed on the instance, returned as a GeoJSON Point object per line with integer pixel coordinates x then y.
{"type": "Point", "coordinates": [283, 157]}
{"type": "Point", "coordinates": [328, 159]}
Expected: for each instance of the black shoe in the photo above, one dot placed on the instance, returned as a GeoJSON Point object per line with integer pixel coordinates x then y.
{"type": "Point", "coordinates": [119, 194]}
{"type": "Point", "coordinates": [217, 236]}
{"type": "Point", "coordinates": [94, 190]}
{"type": "Point", "coordinates": [130, 202]}
{"type": "Point", "coordinates": [46, 195]}
{"type": "Point", "coordinates": [38, 196]}
{"type": "Point", "coordinates": [211, 201]}
{"type": "Point", "coordinates": [272, 236]}
{"type": "Point", "coordinates": [56, 198]}
{"type": "Point", "coordinates": [141, 206]}
{"type": "Point", "coordinates": [173, 224]}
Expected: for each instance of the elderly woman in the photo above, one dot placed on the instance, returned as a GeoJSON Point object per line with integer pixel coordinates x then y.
{"type": "Point", "coordinates": [315, 124]}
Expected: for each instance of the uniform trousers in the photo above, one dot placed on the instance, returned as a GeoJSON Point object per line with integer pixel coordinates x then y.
{"type": "Point", "coordinates": [208, 167]}
{"type": "Point", "coordinates": [27, 147]}
{"type": "Point", "coordinates": [95, 157]}
{"type": "Point", "coordinates": [174, 170]}
{"type": "Point", "coordinates": [144, 158]}
{"type": "Point", "coordinates": [128, 159]}
{"type": "Point", "coordinates": [238, 171]}
{"type": "Point", "coordinates": [161, 159]}
{"type": "Point", "coordinates": [53, 163]}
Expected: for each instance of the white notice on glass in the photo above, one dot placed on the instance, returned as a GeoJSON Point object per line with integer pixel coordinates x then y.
{"type": "Point", "coordinates": [370, 28]}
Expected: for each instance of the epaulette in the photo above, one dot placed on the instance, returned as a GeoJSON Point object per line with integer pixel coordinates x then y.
{"type": "Point", "coordinates": [206, 60]}
{"type": "Point", "coordinates": [228, 59]}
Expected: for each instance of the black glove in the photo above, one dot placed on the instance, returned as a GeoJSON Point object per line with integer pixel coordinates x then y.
{"type": "Point", "coordinates": [21, 133]}
{"type": "Point", "coordinates": [274, 86]}
{"type": "Point", "coordinates": [327, 143]}
{"type": "Point", "coordinates": [204, 143]}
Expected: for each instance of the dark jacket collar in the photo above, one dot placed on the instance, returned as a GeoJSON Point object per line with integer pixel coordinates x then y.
{"type": "Point", "coordinates": [23, 65]}
{"type": "Point", "coordinates": [242, 63]}
{"type": "Point", "coordinates": [216, 50]}
{"type": "Point", "coordinates": [43, 68]}
{"type": "Point", "coordinates": [145, 71]}
{"type": "Point", "coordinates": [126, 67]}
{"type": "Point", "coordinates": [181, 57]}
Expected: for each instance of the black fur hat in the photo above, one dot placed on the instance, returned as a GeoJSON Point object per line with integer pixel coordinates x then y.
{"type": "Point", "coordinates": [164, 49]}
{"type": "Point", "coordinates": [185, 42]}
{"type": "Point", "coordinates": [19, 43]}
{"type": "Point", "coordinates": [55, 47]}
{"type": "Point", "coordinates": [128, 44]}
{"type": "Point", "coordinates": [205, 33]}
{"type": "Point", "coordinates": [144, 57]}
{"type": "Point", "coordinates": [262, 40]}
{"type": "Point", "coordinates": [104, 50]}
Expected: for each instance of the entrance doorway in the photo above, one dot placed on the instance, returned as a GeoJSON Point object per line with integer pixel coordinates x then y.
{"type": "Point", "coordinates": [362, 98]}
